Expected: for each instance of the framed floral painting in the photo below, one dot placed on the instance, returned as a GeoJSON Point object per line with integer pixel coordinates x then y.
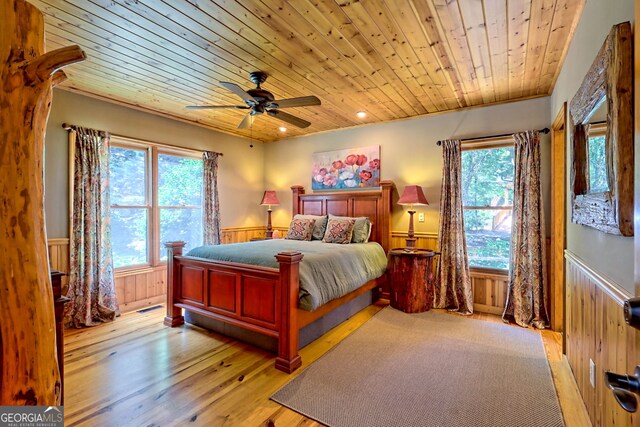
{"type": "Point", "coordinates": [350, 168]}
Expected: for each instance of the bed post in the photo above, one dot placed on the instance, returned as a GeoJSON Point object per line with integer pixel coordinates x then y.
{"type": "Point", "coordinates": [174, 314]}
{"type": "Point", "coordinates": [288, 359]}
{"type": "Point", "coordinates": [297, 191]}
{"type": "Point", "coordinates": [385, 213]}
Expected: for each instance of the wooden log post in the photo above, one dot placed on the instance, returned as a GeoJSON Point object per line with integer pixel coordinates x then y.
{"type": "Point", "coordinates": [30, 374]}
{"type": "Point", "coordinates": [174, 314]}
{"type": "Point", "coordinates": [288, 359]}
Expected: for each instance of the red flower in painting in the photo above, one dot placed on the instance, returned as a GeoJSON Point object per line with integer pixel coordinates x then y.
{"type": "Point", "coordinates": [351, 159]}
{"type": "Point", "coordinates": [374, 164]}
{"type": "Point", "coordinates": [338, 164]}
{"type": "Point", "coordinates": [365, 175]}
{"type": "Point", "coordinates": [362, 159]}
{"type": "Point", "coordinates": [323, 171]}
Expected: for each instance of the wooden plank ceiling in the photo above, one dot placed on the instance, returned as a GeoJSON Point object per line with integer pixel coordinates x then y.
{"type": "Point", "coordinates": [391, 58]}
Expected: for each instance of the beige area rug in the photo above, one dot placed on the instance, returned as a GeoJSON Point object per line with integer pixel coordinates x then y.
{"type": "Point", "coordinates": [428, 369]}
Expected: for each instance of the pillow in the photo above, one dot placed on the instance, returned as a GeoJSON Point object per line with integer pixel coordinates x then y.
{"type": "Point", "coordinates": [301, 229]}
{"type": "Point", "coordinates": [360, 230]}
{"type": "Point", "coordinates": [319, 228]}
{"type": "Point", "coordinates": [339, 231]}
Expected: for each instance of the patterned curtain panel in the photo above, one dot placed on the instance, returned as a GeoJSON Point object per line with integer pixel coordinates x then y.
{"type": "Point", "coordinates": [91, 285]}
{"type": "Point", "coordinates": [453, 283]}
{"type": "Point", "coordinates": [211, 211]}
{"type": "Point", "coordinates": [526, 293]}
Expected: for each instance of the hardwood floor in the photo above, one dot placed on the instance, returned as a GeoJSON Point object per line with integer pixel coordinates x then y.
{"type": "Point", "coordinates": [137, 372]}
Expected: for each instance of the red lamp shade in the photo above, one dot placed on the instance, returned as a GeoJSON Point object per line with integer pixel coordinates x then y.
{"type": "Point", "coordinates": [413, 195]}
{"type": "Point", "coordinates": [270, 198]}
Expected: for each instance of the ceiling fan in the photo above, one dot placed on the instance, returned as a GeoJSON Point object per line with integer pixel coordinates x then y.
{"type": "Point", "coordinates": [259, 101]}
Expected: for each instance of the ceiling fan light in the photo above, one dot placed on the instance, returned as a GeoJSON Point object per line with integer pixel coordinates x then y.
{"type": "Point", "coordinates": [361, 114]}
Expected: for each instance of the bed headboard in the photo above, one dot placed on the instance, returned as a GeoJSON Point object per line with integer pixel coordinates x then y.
{"type": "Point", "coordinates": [373, 204]}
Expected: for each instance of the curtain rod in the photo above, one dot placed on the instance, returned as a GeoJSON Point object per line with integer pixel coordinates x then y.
{"type": "Point", "coordinates": [545, 131]}
{"type": "Point", "coordinates": [67, 126]}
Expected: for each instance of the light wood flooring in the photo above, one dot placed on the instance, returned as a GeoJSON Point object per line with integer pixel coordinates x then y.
{"type": "Point", "coordinates": [137, 372]}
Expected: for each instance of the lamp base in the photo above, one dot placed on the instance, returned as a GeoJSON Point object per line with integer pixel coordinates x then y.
{"type": "Point", "coordinates": [269, 234]}
{"type": "Point", "coordinates": [411, 240]}
{"type": "Point", "coordinates": [410, 244]}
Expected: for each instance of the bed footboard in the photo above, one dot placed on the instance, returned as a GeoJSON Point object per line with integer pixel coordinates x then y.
{"type": "Point", "coordinates": [260, 299]}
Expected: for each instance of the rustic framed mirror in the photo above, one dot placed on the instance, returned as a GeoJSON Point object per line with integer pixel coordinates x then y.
{"type": "Point", "coordinates": [601, 116]}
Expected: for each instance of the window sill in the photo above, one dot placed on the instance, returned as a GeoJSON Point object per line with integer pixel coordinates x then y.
{"type": "Point", "coordinates": [489, 271]}
{"type": "Point", "coordinates": [138, 269]}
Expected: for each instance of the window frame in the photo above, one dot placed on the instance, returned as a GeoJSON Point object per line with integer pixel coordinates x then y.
{"type": "Point", "coordinates": [154, 250]}
{"type": "Point", "coordinates": [487, 144]}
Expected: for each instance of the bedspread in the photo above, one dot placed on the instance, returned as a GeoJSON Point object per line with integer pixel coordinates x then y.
{"type": "Point", "coordinates": [327, 271]}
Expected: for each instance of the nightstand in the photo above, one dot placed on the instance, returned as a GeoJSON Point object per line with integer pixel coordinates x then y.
{"type": "Point", "coordinates": [411, 279]}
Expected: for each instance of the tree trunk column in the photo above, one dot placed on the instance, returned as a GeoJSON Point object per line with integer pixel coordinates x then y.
{"type": "Point", "coordinates": [28, 361]}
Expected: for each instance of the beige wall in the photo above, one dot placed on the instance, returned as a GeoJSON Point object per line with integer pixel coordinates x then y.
{"type": "Point", "coordinates": [610, 255]}
{"type": "Point", "coordinates": [409, 154]}
{"type": "Point", "coordinates": [240, 173]}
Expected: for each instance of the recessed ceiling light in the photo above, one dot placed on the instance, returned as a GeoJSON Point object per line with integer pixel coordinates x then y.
{"type": "Point", "coordinates": [282, 129]}
{"type": "Point", "coordinates": [361, 114]}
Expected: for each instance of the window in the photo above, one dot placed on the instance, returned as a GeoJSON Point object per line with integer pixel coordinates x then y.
{"type": "Point", "coordinates": [130, 205]}
{"type": "Point", "coordinates": [487, 197]}
{"type": "Point", "coordinates": [180, 200]}
{"type": "Point", "coordinates": [156, 196]}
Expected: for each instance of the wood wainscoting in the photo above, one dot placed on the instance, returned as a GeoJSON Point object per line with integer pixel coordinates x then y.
{"type": "Point", "coordinates": [140, 288]}
{"type": "Point", "coordinates": [59, 259]}
{"type": "Point", "coordinates": [489, 287]}
{"type": "Point", "coordinates": [489, 291]}
{"type": "Point", "coordinates": [596, 330]}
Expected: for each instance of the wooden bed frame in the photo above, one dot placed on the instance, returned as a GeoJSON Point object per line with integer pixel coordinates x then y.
{"type": "Point", "coordinates": [265, 300]}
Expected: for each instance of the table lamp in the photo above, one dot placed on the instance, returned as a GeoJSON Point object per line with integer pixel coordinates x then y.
{"type": "Point", "coordinates": [412, 195]}
{"type": "Point", "coordinates": [269, 199]}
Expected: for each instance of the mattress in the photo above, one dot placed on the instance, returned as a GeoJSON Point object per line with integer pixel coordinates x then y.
{"type": "Point", "coordinates": [327, 271]}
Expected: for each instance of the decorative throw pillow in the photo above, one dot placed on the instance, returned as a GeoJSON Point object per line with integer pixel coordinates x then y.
{"type": "Point", "coordinates": [319, 228]}
{"type": "Point", "coordinates": [339, 231]}
{"type": "Point", "coordinates": [301, 229]}
{"type": "Point", "coordinates": [361, 229]}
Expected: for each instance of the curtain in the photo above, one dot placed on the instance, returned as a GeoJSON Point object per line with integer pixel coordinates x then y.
{"type": "Point", "coordinates": [211, 204]}
{"type": "Point", "coordinates": [453, 283]}
{"type": "Point", "coordinates": [91, 284]}
{"type": "Point", "coordinates": [526, 292]}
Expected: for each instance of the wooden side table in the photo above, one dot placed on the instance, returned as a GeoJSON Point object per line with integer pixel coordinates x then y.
{"type": "Point", "coordinates": [411, 279]}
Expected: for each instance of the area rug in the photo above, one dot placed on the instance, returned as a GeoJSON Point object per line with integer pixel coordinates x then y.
{"type": "Point", "coordinates": [428, 369]}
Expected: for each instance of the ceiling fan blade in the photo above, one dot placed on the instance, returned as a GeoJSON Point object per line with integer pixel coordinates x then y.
{"type": "Point", "coordinates": [247, 122]}
{"type": "Point", "coordinates": [288, 118]}
{"type": "Point", "coordinates": [238, 91]}
{"type": "Point", "coordinates": [206, 107]}
{"type": "Point", "coordinates": [302, 101]}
